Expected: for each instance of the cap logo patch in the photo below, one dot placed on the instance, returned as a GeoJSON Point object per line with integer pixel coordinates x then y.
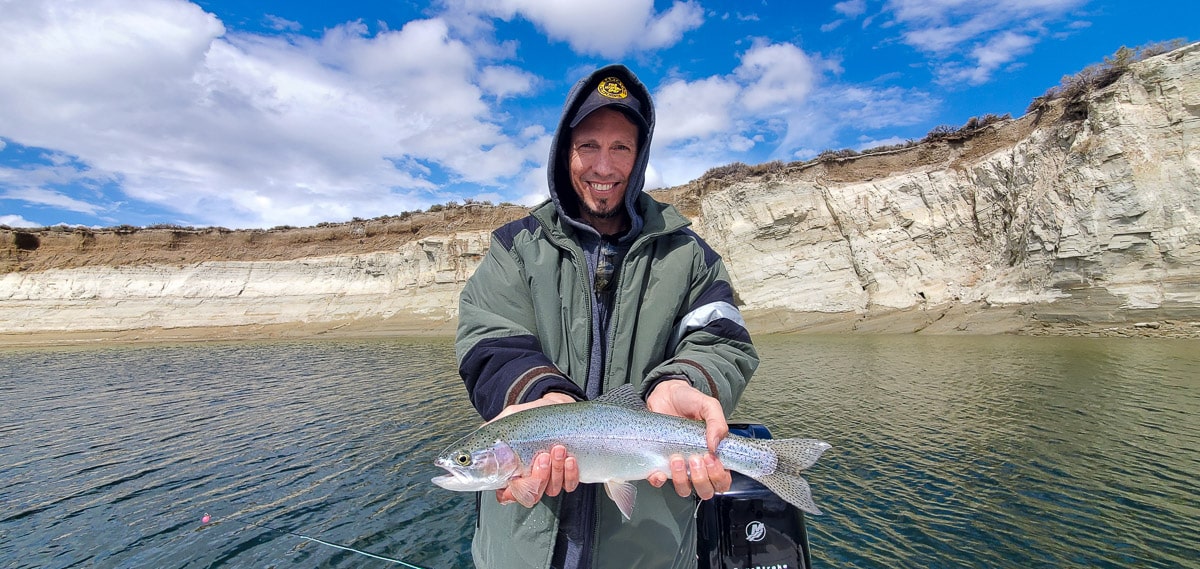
{"type": "Point", "coordinates": [612, 88]}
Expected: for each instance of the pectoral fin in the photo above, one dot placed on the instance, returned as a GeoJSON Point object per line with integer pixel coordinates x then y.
{"type": "Point", "coordinates": [623, 494]}
{"type": "Point", "coordinates": [526, 490]}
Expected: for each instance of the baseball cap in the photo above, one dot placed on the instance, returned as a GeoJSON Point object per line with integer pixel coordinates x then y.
{"type": "Point", "coordinates": [611, 92]}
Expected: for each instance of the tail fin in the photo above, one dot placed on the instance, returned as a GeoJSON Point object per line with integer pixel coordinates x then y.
{"type": "Point", "coordinates": [792, 457]}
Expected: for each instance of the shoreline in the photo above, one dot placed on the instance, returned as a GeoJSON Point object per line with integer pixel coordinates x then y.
{"type": "Point", "coordinates": [963, 320]}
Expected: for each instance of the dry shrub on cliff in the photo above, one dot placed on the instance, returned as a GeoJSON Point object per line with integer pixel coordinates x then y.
{"type": "Point", "coordinates": [980, 123]}
{"type": "Point", "coordinates": [827, 155]}
{"type": "Point", "coordinates": [973, 126]}
{"type": "Point", "coordinates": [737, 170]}
{"type": "Point", "coordinates": [1073, 88]}
{"type": "Point", "coordinates": [772, 167]}
{"type": "Point", "coordinates": [890, 147]}
{"type": "Point", "coordinates": [740, 171]}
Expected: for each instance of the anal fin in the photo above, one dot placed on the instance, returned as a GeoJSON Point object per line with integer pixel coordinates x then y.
{"type": "Point", "coordinates": [623, 494]}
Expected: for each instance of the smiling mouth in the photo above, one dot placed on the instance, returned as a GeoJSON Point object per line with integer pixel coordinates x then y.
{"type": "Point", "coordinates": [603, 187]}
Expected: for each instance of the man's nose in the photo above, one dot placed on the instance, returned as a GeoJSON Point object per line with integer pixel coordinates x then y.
{"type": "Point", "coordinates": [604, 162]}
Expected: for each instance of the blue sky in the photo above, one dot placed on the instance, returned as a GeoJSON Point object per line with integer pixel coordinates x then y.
{"type": "Point", "coordinates": [248, 114]}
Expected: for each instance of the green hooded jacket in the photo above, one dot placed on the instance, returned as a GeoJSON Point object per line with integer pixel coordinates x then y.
{"type": "Point", "coordinates": [529, 323]}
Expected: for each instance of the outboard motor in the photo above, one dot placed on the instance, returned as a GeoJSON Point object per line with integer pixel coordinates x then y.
{"type": "Point", "coordinates": [749, 527]}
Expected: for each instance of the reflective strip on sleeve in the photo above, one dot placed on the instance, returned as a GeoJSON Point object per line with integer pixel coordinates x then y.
{"type": "Point", "coordinates": [705, 315]}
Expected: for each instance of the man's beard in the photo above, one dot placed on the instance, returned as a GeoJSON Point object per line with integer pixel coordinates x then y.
{"type": "Point", "coordinates": [614, 212]}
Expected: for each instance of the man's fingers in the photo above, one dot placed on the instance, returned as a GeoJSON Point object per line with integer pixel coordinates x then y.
{"type": "Point", "coordinates": [570, 474]}
{"type": "Point", "coordinates": [558, 458]}
{"type": "Point", "coordinates": [541, 472]}
{"type": "Point", "coordinates": [715, 426]}
{"type": "Point", "coordinates": [700, 482]}
{"type": "Point", "coordinates": [715, 431]}
{"type": "Point", "coordinates": [679, 476]}
{"type": "Point", "coordinates": [720, 478]}
{"type": "Point", "coordinates": [657, 479]}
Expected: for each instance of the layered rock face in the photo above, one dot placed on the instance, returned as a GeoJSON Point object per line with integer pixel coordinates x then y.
{"type": "Point", "coordinates": [1094, 220]}
{"type": "Point", "coordinates": [419, 281]}
{"type": "Point", "coordinates": [1062, 219]}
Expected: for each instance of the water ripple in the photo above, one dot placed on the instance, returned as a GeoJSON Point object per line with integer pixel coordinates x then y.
{"type": "Point", "coordinates": [948, 452]}
{"type": "Point", "coordinates": [1011, 452]}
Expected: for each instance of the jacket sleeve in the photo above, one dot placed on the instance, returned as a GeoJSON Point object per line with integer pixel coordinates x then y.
{"type": "Point", "coordinates": [499, 355]}
{"type": "Point", "coordinates": [712, 347]}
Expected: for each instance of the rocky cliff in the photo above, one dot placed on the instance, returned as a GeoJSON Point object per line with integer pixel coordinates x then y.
{"type": "Point", "coordinates": [1086, 213]}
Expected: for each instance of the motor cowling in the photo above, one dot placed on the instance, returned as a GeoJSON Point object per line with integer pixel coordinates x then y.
{"type": "Point", "coordinates": [749, 527]}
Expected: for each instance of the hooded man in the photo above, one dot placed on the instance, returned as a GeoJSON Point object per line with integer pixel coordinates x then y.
{"type": "Point", "coordinates": [601, 286]}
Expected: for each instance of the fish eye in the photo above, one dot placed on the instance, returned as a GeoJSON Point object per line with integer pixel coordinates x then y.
{"type": "Point", "coordinates": [463, 458]}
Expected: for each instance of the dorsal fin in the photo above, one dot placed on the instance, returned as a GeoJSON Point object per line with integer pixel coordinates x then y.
{"type": "Point", "coordinates": [623, 396]}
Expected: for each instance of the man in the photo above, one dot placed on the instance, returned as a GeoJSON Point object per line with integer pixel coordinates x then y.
{"type": "Point", "coordinates": [597, 287]}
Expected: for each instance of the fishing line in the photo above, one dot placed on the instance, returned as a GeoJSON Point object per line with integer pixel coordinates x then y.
{"type": "Point", "coordinates": [206, 519]}
{"type": "Point", "coordinates": [679, 556]}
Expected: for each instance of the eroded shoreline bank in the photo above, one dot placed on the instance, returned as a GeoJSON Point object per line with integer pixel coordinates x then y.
{"type": "Point", "coordinates": [953, 322]}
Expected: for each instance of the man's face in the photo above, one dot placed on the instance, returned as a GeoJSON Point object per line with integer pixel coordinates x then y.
{"type": "Point", "coordinates": [603, 150]}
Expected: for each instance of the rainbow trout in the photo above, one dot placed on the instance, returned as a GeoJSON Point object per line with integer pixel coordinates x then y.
{"type": "Point", "coordinates": [616, 439]}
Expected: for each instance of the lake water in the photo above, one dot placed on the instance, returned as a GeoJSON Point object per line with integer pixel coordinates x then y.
{"type": "Point", "coordinates": [948, 451]}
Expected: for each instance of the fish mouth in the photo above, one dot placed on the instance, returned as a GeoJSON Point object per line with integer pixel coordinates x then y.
{"type": "Point", "coordinates": [445, 481]}
{"type": "Point", "coordinates": [453, 480]}
{"type": "Point", "coordinates": [460, 483]}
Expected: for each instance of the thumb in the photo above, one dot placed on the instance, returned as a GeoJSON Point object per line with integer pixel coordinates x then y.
{"type": "Point", "coordinates": [715, 429]}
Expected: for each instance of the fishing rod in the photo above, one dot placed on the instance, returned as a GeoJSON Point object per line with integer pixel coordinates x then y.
{"type": "Point", "coordinates": [208, 519]}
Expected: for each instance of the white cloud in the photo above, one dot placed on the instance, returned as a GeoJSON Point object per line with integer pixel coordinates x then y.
{"type": "Point", "coordinates": [694, 109]}
{"type": "Point", "coordinates": [869, 108]}
{"type": "Point", "coordinates": [248, 130]}
{"type": "Point", "coordinates": [33, 183]}
{"type": "Point", "coordinates": [829, 27]}
{"type": "Point", "coordinates": [156, 99]}
{"type": "Point", "coordinates": [971, 40]}
{"type": "Point", "coordinates": [608, 29]}
{"type": "Point", "coordinates": [777, 76]}
{"type": "Point", "coordinates": [780, 103]}
{"type": "Point", "coordinates": [505, 81]}
{"type": "Point", "coordinates": [282, 24]}
{"type": "Point", "coordinates": [668, 29]}
{"type": "Point", "coordinates": [1002, 49]}
{"type": "Point", "coordinates": [44, 197]}
{"type": "Point", "coordinates": [869, 143]}
{"type": "Point", "coordinates": [17, 221]}
{"type": "Point", "coordinates": [851, 8]}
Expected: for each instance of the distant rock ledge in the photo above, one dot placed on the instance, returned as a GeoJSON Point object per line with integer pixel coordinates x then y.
{"type": "Point", "coordinates": [1080, 223]}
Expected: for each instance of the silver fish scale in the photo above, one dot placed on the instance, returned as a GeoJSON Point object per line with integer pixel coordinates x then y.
{"type": "Point", "coordinates": [617, 440]}
{"type": "Point", "coordinates": [613, 442]}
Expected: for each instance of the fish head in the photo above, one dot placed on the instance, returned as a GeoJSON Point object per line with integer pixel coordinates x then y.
{"type": "Point", "coordinates": [486, 468]}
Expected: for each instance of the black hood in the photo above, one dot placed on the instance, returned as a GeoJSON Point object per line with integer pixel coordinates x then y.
{"type": "Point", "coordinates": [557, 170]}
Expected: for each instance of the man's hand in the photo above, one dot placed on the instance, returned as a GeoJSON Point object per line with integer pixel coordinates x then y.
{"type": "Point", "coordinates": [551, 472]}
{"type": "Point", "coordinates": [708, 475]}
